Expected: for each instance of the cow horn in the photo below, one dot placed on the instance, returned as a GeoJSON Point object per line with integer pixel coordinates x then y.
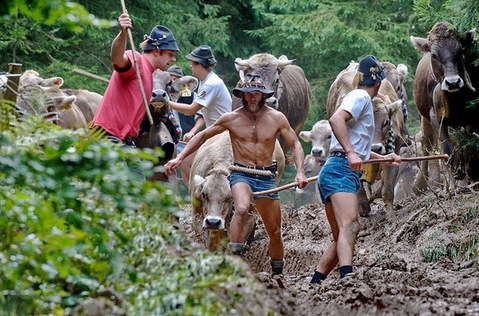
{"type": "Point", "coordinates": [283, 61]}
{"type": "Point", "coordinates": [241, 62]}
{"type": "Point", "coordinates": [467, 79]}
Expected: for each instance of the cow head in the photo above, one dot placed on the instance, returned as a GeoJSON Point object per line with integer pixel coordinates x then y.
{"type": "Point", "coordinates": [445, 47]}
{"type": "Point", "coordinates": [31, 77]}
{"type": "Point", "coordinates": [388, 123]}
{"type": "Point", "coordinates": [183, 86]}
{"type": "Point", "coordinates": [320, 137]}
{"type": "Point", "coordinates": [269, 68]}
{"type": "Point", "coordinates": [214, 194]}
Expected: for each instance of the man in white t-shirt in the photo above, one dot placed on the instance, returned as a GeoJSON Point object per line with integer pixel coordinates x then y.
{"type": "Point", "coordinates": [213, 96]}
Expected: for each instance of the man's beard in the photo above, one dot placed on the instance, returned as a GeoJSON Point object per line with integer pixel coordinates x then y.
{"type": "Point", "coordinates": [254, 108]}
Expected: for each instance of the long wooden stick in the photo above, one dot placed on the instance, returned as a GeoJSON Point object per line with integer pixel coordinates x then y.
{"type": "Point", "coordinates": [89, 74]}
{"type": "Point", "coordinates": [137, 68]}
{"type": "Point", "coordinates": [295, 184]}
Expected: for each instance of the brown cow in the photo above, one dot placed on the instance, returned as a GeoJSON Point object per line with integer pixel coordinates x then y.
{"type": "Point", "coordinates": [444, 83]}
{"type": "Point", "coordinates": [53, 104]}
{"type": "Point", "coordinates": [210, 191]}
{"type": "Point", "coordinates": [85, 101]}
{"type": "Point", "coordinates": [289, 83]}
{"type": "Point", "coordinates": [388, 137]}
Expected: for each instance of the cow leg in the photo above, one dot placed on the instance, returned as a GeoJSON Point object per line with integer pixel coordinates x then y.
{"type": "Point", "coordinates": [363, 200]}
{"type": "Point", "coordinates": [389, 174]}
{"type": "Point", "coordinates": [420, 183]}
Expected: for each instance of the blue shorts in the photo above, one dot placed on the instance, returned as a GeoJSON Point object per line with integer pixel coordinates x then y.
{"type": "Point", "coordinates": [336, 176]}
{"type": "Point", "coordinates": [256, 183]}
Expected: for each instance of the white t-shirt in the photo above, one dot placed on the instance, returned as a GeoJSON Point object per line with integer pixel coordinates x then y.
{"type": "Point", "coordinates": [361, 127]}
{"type": "Point", "coordinates": [214, 96]}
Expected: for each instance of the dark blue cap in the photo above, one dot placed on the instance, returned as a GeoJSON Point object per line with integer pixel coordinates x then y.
{"type": "Point", "coordinates": [161, 38]}
{"type": "Point", "coordinates": [372, 71]}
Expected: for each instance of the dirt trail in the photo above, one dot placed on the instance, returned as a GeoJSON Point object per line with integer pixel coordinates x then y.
{"type": "Point", "coordinates": [393, 277]}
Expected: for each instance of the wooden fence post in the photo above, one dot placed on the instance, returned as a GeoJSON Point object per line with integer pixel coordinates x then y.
{"type": "Point", "coordinates": [15, 71]}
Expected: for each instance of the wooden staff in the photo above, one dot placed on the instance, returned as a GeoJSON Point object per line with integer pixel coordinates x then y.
{"type": "Point", "coordinates": [137, 68]}
{"type": "Point", "coordinates": [295, 184]}
{"type": "Point", "coordinates": [89, 74]}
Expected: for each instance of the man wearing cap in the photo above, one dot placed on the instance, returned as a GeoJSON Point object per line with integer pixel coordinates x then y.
{"type": "Point", "coordinates": [121, 110]}
{"type": "Point", "coordinates": [339, 179]}
{"type": "Point", "coordinates": [213, 95]}
{"type": "Point", "coordinates": [253, 129]}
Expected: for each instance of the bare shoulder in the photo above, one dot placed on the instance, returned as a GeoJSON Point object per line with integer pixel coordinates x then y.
{"type": "Point", "coordinates": [277, 116]}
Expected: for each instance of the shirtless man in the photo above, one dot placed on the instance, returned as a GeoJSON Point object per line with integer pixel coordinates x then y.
{"type": "Point", "coordinates": [253, 129]}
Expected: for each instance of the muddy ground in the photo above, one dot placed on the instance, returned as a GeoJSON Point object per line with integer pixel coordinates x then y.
{"type": "Point", "coordinates": [424, 263]}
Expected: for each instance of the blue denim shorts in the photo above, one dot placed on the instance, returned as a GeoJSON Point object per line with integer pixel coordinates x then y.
{"type": "Point", "coordinates": [256, 183]}
{"type": "Point", "coordinates": [336, 176]}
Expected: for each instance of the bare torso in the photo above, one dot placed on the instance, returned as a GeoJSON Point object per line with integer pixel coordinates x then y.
{"type": "Point", "coordinates": [253, 136]}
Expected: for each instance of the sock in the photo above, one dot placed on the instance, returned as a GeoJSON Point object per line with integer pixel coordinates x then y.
{"type": "Point", "coordinates": [345, 270]}
{"type": "Point", "coordinates": [277, 266]}
{"type": "Point", "coordinates": [317, 277]}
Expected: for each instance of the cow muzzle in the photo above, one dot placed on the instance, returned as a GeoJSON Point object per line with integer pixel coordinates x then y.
{"type": "Point", "coordinates": [452, 84]}
{"type": "Point", "coordinates": [213, 222]}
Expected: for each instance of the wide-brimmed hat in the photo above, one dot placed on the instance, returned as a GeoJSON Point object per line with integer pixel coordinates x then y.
{"type": "Point", "coordinates": [203, 55]}
{"type": "Point", "coordinates": [161, 38]}
{"type": "Point", "coordinates": [371, 71]}
{"type": "Point", "coordinates": [252, 83]}
{"type": "Point", "coordinates": [175, 70]}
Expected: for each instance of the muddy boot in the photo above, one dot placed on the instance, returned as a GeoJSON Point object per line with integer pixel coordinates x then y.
{"type": "Point", "coordinates": [236, 248]}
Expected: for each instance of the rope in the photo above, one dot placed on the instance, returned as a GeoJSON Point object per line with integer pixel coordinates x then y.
{"type": "Point", "coordinates": [265, 173]}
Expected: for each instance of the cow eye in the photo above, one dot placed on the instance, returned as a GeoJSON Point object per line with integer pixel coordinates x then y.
{"type": "Point", "coordinates": [433, 55]}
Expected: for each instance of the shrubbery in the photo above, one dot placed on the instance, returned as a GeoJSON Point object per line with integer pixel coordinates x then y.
{"type": "Point", "coordinates": [75, 220]}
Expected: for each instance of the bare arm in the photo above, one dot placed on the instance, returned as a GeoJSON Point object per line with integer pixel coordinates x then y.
{"type": "Point", "coordinates": [338, 125]}
{"type": "Point", "coordinates": [199, 123]}
{"type": "Point", "coordinates": [298, 154]}
{"type": "Point", "coordinates": [187, 109]}
{"type": "Point", "coordinates": [193, 145]}
{"type": "Point", "coordinates": [118, 46]}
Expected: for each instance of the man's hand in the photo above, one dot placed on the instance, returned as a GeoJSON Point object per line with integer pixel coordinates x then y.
{"type": "Point", "coordinates": [301, 180]}
{"type": "Point", "coordinates": [171, 165]}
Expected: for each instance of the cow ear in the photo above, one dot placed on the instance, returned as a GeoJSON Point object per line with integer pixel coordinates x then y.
{"type": "Point", "coordinates": [467, 38]}
{"type": "Point", "coordinates": [305, 135]}
{"type": "Point", "coordinates": [189, 81]}
{"type": "Point", "coordinates": [396, 106]}
{"type": "Point", "coordinates": [420, 44]}
{"type": "Point", "coordinates": [199, 180]}
{"type": "Point", "coordinates": [64, 102]}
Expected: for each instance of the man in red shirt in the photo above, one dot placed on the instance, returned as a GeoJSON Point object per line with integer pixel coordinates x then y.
{"type": "Point", "coordinates": [121, 109]}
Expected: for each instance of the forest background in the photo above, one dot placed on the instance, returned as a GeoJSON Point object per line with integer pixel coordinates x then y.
{"type": "Point", "coordinates": [53, 37]}
{"type": "Point", "coordinates": [74, 221]}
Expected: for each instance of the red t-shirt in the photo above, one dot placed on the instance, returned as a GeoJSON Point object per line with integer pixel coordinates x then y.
{"type": "Point", "coordinates": [121, 110]}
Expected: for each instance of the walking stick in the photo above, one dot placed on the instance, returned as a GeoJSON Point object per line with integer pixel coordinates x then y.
{"type": "Point", "coordinates": [295, 184]}
{"type": "Point", "coordinates": [137, 68]}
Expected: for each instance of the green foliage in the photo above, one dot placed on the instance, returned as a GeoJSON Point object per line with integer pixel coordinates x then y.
{"type": "Point", "coordinates": [75, 219]}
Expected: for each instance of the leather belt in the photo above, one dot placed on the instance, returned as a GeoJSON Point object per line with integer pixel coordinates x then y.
{"type": "Point", "coordinates": [340, 154]}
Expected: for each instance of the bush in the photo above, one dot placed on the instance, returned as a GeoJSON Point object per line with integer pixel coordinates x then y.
{"type": "Point", "coordinates": [75, 219]}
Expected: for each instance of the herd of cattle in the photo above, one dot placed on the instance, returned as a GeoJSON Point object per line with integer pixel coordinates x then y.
{"type": "Point", "coordinates": [445, 82]}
